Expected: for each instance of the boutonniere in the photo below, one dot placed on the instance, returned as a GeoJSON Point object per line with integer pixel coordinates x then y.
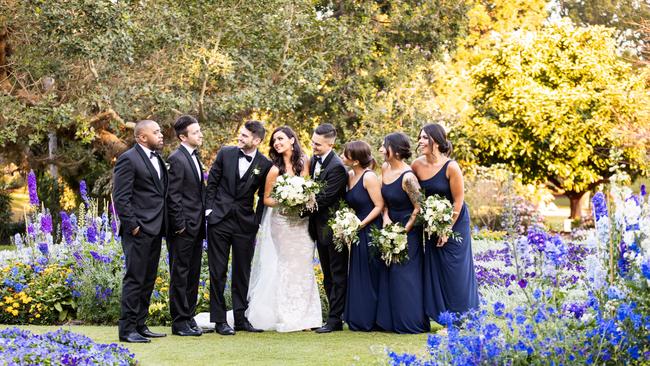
{"type": "Point", "coordinates": [256, 170]}
{"type": "Point", "coordinates": [167, 166]}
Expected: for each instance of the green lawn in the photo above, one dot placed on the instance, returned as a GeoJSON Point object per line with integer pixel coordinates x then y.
{"type": "Point", "coordinates": [268, 348]}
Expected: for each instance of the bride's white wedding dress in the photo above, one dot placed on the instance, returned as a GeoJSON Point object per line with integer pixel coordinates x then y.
{"type": "Point", "coordinates": [283, 293]}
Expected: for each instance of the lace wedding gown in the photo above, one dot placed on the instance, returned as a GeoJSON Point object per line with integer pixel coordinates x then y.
{"type": "Point", "coordinates": [283, 294]}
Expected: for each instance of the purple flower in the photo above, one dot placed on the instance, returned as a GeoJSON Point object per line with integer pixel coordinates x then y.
{"type": "Point", "coordinates": [645, 267]}
{"type": "Point", "coordinates": [643, 191]}
{"type": "Point", "coordinates": [18, 241]}
{"type": "Point", "coordinates": [83, 190]}
{"type": "Point", "coordinates": [522, 283]}
{"type": "Point", "coordinates": [537, 238]}
{"type": "Point", "coordinates": [46, 223]}
{"type": "Point", "coordinates": [600, 205]}
{"type": "Point", "coordinates": [31, 187]}
{"type": "Point", "coordinates": [446, 318]}
{"type": "Point", "coordinates": [91, 232]}
{"type": "Point", "coordinates": [66, 227]}
{"type": "Point", "coordinates": [43, 247]}
{"type": "Point", "coordinates": [31, 230]}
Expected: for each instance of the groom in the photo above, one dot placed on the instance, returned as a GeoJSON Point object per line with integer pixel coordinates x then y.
{"type": "Point", "coordinates": [327, 167]}
{"type": "Point", "coordinates": [236, 175]}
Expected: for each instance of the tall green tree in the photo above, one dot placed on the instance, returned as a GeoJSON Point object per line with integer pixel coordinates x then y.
{"type": "Point", "coordinates": [558, 105]}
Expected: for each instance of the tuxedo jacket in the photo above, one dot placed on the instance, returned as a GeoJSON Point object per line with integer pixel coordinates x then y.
{"type": "Point", "coordinates": [335, 177]}
{"type": "Point", "coordinates": [139, 195]}
{"type": "Point", "coordinates": [186, 197]}
{"type": "Point", "coordinates": [229, 196]}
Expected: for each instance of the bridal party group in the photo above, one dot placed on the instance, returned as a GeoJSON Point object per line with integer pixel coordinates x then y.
{"type": "Point", "coordinates": [265, 219]}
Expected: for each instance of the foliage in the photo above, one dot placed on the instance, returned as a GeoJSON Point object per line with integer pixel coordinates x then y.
{"type": "Point", "coordinates": [550, 105]}
{"type": "Point", "coordinates": [82, 70]}
{"type": "Point", "coordinates": [60, 347]}
{"type": "Point", "coordinates": [5, 215]}
{"type": "Point", "coordinates": [549, 301]}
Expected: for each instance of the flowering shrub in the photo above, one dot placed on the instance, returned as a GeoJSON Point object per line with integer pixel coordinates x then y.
{"type": "Point", "coordinates": [548, 300]}
{"type": "Point", "coordinates": [62, 347]}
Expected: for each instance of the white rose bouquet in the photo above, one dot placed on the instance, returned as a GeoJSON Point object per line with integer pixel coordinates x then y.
{"type": "Point", "coordinates": [391, 241]}
{"type": "Point", "coordinates": [344, 225]}
{"type": "Point", "coordinates": [296, 194]}
{"type": "Point", "coordinates": [437, 214]}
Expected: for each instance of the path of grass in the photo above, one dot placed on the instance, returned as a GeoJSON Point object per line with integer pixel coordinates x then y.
{"type": "Point", "coordinates": [268, 348]}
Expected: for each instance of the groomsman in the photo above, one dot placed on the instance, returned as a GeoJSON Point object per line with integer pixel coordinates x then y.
{"type": "Point", "coordinates": [328, 168]}
{"type": "Point", "coordinates": [139, 193]}
{"type": "Point", "coordinates": [187, 225]}
{"type": "Point", "coordinates": [237, 174]}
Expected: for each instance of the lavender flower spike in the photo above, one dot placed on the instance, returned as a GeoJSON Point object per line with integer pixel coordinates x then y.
{"type": "Point", "coordinates": [600, 205]}
{"type": "Point", "coordinates": [83, 190]}
{"type": "Point", "coordinates": [31, 186]}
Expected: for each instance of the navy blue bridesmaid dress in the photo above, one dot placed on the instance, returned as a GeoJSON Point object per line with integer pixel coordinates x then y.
{"type": "Point", "coordinates": [400, 306]}
{"type": "Point", "coordinates": [449, 276]}
{"type": "Point", "coordinates": [363, 276]}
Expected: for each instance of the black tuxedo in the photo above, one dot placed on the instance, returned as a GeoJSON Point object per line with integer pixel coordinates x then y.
{"type": "Point", "coordinates": [185, 203]}
{"type": "Point", "coordinates": [333, 263]}
{"type": "Point", "coordinates": [233, 222]}
{"type": "Point", "coordinates": [140, 201]}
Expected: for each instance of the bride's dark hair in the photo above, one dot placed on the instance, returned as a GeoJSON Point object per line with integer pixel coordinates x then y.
{"type": "Point", "coordinates": [296, 152]}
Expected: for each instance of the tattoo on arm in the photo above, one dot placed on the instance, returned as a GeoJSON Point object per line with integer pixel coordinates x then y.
{"type": "Point", "coordinates": [412, 189]}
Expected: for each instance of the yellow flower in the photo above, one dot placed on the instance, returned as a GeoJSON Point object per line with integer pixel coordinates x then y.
{"type": "Point", "coordinates": [158, 280]}
{"type": "Point", "coordinates": [37, 316]}
{"type": "Point", "coordinates": [164, 289]}
{"type": "Point", "coordinates": [15, 312]}
{"type": "Point", "coordinates": [8, 300]}
{"type": "Point", "coordinates": [9, 309]}
{"type": "Point", "coordinates": [206, 296]}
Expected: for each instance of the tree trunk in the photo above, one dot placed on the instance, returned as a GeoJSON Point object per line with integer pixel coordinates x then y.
{"type": "Point", "coordinates": [576, 206]}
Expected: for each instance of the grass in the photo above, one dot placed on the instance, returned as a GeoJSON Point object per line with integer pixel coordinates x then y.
{"type": "Point", "coordinates": [268, 348]}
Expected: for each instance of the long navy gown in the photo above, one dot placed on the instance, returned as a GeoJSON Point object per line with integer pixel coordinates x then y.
{"type": "Point", "coordinates": [449, 276]}
{"type": "Point", "coordinates": [400, 306]}
{"type": "Point", "coordinates": [363, 276]}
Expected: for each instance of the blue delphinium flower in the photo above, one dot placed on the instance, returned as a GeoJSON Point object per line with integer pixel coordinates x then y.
{"type": "Point", "coordinates": [31, 187]}
{"type": "Point", "coordinates": [91, 232]}
{"type": "Point", "coordinates": [537, 238]}
{"type": "Point", "coordinates": [43, 247]}
{"type": "Point", "coordinates": [643, 190]}
{"type": "Point", "coordinates": [18, 241]}
{"type": "Point", "coordinates": [66, 227]}
{"type": "Point", "coordinates": [498, 307]}
{"type": "Point", "coordinates": [83, 190]}
{"type": "Point", "coordinates": [31, 230]}
{"type": "Point", "coordinates": [600, 205]}
{"type": "Point", "coordinates": [446, 318]}
{"type": "Point", "coordinates": [645, 267]}
{"type": "Point", "coordinates": [46, 223]}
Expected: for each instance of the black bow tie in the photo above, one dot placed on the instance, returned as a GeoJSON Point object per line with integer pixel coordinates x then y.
{"type": "Point", "coordinates": [242, 155]}
{"type": "Point", "coordinates": [318, 159]}
{"type": "Point", "coordinates": [153, 154]}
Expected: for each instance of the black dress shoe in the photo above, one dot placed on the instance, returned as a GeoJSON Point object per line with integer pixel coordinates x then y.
{"type": "Point", "coordinates": [330, 327]}
{"type": "Point", "coordinates": [145, 332]}
{"type": "Point", "coordinates": [188, 332]}
{"type": "Point", "coordinates": [134, 337]}
{"type": "Point", "coordinates": [224, 329]}
{"type": "Point", "coordinates": [194, 326]}
{"type": "Point", "coordinates": [248, 327]}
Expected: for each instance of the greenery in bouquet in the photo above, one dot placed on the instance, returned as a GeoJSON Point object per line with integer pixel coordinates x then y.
{"type": "Point", "coordinates": [345, 225]}
{"type": "Point", "coordinates": [391, 242]}
{"type": "Point", "coordinates": [296, 194]}
{"type": "Point", "coordinates": [437, 214]}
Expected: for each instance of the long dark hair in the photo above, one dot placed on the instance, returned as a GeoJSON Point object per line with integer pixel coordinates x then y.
{"type": "Point", "coordinates": [437, 134]}
{"type": "Point", "coordinates": [360, 151]}
{"type": "Point", "coordinates": [296, 155]}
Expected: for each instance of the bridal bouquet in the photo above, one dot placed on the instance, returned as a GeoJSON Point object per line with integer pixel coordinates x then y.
{"type": "Point", "coordinates": [437, 214]}
{"type": "Point", "coordinates": [295, 194]}
{"type": "Point", "coordinates": [391, 241]}
{"type": "Point", "coordinates": [345, 225]}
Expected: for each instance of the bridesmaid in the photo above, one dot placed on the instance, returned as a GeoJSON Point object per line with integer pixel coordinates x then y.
{"type": "Point", "coordinates": [364, 197]}
{"type": "Point", "coordinates": [400, 307]}
{"type": "Point", "coordinates": [449, 276]}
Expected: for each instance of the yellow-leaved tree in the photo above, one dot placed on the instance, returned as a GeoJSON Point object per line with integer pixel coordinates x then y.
{"type": "Point", "coordinates": [558, 105]}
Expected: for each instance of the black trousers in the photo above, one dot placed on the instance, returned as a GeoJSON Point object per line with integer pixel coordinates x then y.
{"type": "Point", "coordinates": [335, 276]}
{"type": "Point", "coordinates": [222, 237]}
{"type": "Point", "coordinates": [185, 269]}
{"type": "Point", "coordinates": [141, 254]}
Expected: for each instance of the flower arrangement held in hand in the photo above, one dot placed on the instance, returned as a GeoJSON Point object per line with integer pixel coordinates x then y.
{"type": "Point", "coordinates": [391, 241]}
{"type": "Point", "coordinates": [437, 213]}
{"type": "Point", "coordinates": [344, 224]}
{"type": "Point", "coordinates": [295, 194]}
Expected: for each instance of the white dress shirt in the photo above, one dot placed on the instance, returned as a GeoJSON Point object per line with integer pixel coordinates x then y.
{"type": "Point", "coordinates": [318, 165]}
{"type": "Point", "coordinates": [244, 164]}
{"type": "Point", "coordinates": [154, 159]}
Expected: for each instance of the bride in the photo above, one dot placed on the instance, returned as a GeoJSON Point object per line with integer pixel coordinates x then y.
{"type": "Point", "coordinates": [283, 294]}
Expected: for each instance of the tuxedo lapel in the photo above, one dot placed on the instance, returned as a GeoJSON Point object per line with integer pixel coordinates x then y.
{"type": "Point", "coordinates": [152, 171]}
{"type": "Point", "coordinates": [233, 174]}
{"type": "Point", "coordinates": [327, 160]}
{"type": "Point", "coordinates": [247, 176]}
{"type": "Point", "coordinates": [190, 161]}
{"type": "Point", "coordinates": [312, 166]}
